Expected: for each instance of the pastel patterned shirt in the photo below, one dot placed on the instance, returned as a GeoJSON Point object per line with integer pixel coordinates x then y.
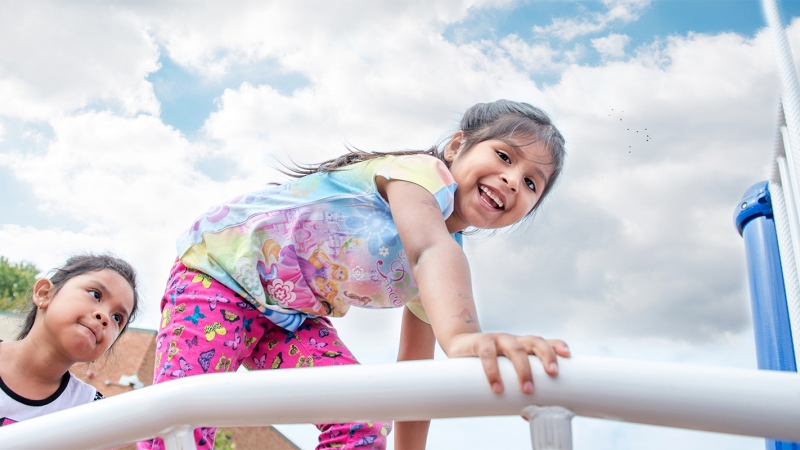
{"type": "Point", "coordinates": [316, 245]}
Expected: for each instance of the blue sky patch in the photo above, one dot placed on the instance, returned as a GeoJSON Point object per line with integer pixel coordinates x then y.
{"type": "Point", "coordinates": [660, 19]}
{"type": "Point", "coordinates": [187, 98]}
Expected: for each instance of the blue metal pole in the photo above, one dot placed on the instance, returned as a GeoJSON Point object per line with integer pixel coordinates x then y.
{"type": "Point", "coordinates": [774, 348]}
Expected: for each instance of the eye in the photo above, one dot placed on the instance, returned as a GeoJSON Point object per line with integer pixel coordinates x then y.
{"type": "Point", "coordinates": [531, 184]}
{"type": "Point", "coordinates": [503, 156]}
{"type": "Point", "coordinates": [118, 318]}
{"type": "Point", "coordinates": [96, 294]}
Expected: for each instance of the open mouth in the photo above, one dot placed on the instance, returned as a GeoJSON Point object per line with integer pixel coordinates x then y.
{"type": "Point", "coordinates": [490, 197]}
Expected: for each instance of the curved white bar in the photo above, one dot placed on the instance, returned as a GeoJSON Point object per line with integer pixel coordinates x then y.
{"type": "Point", "coordinates": [749, 402]}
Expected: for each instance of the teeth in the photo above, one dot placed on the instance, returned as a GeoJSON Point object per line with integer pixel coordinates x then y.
{"type": "Point", "coordinates": [492, 196]}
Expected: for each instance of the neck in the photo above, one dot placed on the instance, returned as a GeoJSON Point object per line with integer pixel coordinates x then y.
{"type": "Point", "coordinates": [455, 224]}
{"type": "Point", "coordinates": [33, 361]}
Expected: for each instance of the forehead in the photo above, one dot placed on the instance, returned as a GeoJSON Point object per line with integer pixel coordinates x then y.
{"type": "Point", "coordinates": [535, 154]}
{"type": "Point", "coordinates": [113, 285]}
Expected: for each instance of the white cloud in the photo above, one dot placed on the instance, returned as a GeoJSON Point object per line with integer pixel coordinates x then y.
{"type": "Point", "coordinates": [540, 58]}
{"type": "Point", "coordinates": [634, 250]}
{"type": "Point", "coordinates": [623, 11]}
{"type": "Point", "coordinates": [611, 46]}
{"type": "Point", "coordinates": [52, 61]}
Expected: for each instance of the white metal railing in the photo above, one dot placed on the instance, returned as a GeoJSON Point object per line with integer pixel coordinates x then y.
{"type": "Point", "coordinates": [787, 181]}
{"type": "Point", "coordinates": [736, 401]}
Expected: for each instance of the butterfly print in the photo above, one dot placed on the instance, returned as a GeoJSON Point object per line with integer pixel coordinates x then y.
{"type": "Point", "coordinates": [289, 336]}
{"type": "Point", "coordinates": [313, 342]}
{"type": "Point", "coordinates": [205, 279]}
{"type": "Point", "coordinates": [336, 343]}
{"type": "Point", "coordinates": [196, 316]}
{"type": "Point", "coordinates": [164, 369]}
{"type": "Point", "coordinates": [206, 434]}
{"type": "Point", "coordinates": [180, 308]}
{"type": "Point", "coordinates": [246, 323]}
{"type": "Point", "coordinates": [212, 301]}
{"type": "Point", "coordinates": [191, 343]}
{"type": "Point", "coordinates": [173, 350]}
{"type": "Point", "coordinates": [305, 362]}
{"type": "Point", "coordinates": [293, 350]}
{"type": "Point", "coordinates": [181, 288]}
{"type": "Point", "coordinates": [355, 427]}
{"type": "Point", "coordinates": [248, 341]}
{"type": "Point", "coordinates": [271, 344]}
{"type": "Point", "coordinates": [324, 332]}
{"type": "Point", "coordinates": [332, 354]}
{"type": "Point", "coordinates": [205, 359]}
{"type": "Point", "coordinates": [213, 330]}
{"type": "Point", "coordinates": [229, 316]}
{"type": "Point", "coordinates": [245, 305]}
{"type": "Point", "coordinates": [165, 318]}
{"type": "Point", "coordinates": [185, 367]}
{"type": "Point", "coordinates": [385, 429]}
{"type": "Point", "coordinates": [366, 440]}
{"type": "Point", "coordinates": [160, 340]}
{"type": "Point", "coordinates": [234, 343]}
{"type": "Point", "coordinates": [304, 326]}
{"type": "Point", "coordinates": [261, 363]}
{"type": "Point", "coordinates": [277, 362]}
{"type": "Point", "coordinates": [177, 331]}
{"type": "Point", "coordinates": [224, 363]}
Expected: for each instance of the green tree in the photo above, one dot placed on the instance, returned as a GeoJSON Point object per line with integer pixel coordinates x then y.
{"type": "Point", "coordinates": [16, 280]}
{"type": "Point", "coordinates": [224, 440]}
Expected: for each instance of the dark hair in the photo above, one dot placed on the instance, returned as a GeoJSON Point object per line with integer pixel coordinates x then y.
{"type": "Point", "coordinates": [79, 265]}
{"type": "Point", "coordinates": [502, 119]}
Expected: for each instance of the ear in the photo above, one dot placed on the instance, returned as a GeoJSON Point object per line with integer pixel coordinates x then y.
{"type": "Point", "coordinates": [43, 293]}
{"type": "Point", "coordinates": [453, 148]}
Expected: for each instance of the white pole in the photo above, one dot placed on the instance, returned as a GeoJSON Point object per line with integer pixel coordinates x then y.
{"type": "Point", "coordinates": [749, 402]}
{"type": "Point", "coordinates": [790, 99]}
{"type": "Point", "coordinates": [551, 427]}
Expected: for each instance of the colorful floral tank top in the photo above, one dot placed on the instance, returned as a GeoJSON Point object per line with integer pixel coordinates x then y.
{"type": "Point", "coordinates": [317, 245]}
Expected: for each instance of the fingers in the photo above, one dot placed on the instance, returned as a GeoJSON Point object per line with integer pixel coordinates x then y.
{"type": "Point", "coordinates": [561, 347]}
{"type": "Point", "coordinates": [487, 352]}
{"type": "Point", "coordinates": [517, 353]}
{"type": "Point", "coordinates": [544, 351]}
{"type": "Point", "coordinates": [517, 349]}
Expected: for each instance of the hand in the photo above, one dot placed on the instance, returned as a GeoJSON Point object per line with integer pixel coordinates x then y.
{"type": "Point", "coordinates": [488, 346]}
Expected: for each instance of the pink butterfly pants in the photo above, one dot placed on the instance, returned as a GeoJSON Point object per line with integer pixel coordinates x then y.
{"type": "Point", "coordinates": [208, 328]}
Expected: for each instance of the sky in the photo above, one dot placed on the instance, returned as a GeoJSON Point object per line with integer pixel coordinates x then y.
{"type": "Point", "coordinates": [121, 122]}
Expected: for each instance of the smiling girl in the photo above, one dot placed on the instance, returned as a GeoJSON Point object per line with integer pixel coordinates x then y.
{"type": "Point", "coordinates": [78, 314]}
{"type": "Point", "coordinates": [258, 278]}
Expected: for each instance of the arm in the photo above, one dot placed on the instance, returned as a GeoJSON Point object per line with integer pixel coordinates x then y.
{"type": "Point", "coordinates": [441, 271]}
{"type": "Point", "coordinates": [416, 342]}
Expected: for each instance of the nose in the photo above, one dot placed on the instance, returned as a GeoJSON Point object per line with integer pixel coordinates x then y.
{"type": "Point", "coordinates": [512, 183]}
{"type": "Point", "coordinates": [102, 318]}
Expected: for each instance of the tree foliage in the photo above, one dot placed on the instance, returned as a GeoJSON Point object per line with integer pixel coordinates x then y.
{"type": "Point", "coordinates": [224, 440]}
{"type": "Point", "coordinates": [16, 280]}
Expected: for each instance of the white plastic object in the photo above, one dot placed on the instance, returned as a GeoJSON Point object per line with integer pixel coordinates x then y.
{"type": "Point", "coordinates": [551, 427]}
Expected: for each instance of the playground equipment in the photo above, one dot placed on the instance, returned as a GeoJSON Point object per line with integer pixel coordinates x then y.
{"type": "Point", "coordinates": [737, 401]}
{"type": "Point", "coordinates": [762, 403]}
{"type": "Point", "coordinates": [767, 218]}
